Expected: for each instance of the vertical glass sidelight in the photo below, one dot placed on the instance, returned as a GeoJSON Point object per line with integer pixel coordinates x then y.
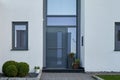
{"type": "Point", "coordinates": [71, 40]}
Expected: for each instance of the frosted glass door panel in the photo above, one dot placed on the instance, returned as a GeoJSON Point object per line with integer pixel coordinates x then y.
{"type": "Point", "coordinates": [59, 47]}
{"type": "Point", "coordinates": [59, 44]}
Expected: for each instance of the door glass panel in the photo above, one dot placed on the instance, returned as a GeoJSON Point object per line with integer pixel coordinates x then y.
{"type": "Point", "coordinates": [53, 21]}
{"type": "Point", "coordinates": [61, 7]}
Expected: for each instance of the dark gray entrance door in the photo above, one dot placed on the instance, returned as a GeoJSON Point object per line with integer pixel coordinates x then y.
{"type": "Point", "coordinates": [56, 56]}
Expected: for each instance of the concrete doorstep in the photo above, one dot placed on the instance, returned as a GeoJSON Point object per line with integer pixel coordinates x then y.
{"type": "Point", "coordinates": [66, 76]}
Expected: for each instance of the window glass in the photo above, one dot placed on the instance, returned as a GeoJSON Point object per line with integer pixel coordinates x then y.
{"type": "Point", "coordinates": [61, 21]}
{"type": "Point", "coordinates": [20, 39]}
{"type": "Point", "coordinates": [118, 35]}
{"type": "Point", "coordinates": [20, 27]}
{"type": "Point", "coordinates": [61, 7]}
{"type": "Point", "coordinates": [19, 31]}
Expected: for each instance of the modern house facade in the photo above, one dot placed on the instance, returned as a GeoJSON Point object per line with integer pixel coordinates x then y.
{"type": "Point", "coordinates": [43, 33]}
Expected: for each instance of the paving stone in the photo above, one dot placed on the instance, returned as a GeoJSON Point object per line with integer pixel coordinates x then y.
{"type": "Point", "coordinates": [66, 76]}
{"type": "Point", "coordinates": [32, 78]}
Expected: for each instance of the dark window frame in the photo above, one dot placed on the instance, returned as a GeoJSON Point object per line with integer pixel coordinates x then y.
{"type": "Point", "coordinates": [13, 35]}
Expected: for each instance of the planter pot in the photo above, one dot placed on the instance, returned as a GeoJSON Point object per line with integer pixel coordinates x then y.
{"type": "Point", "coordinates": [37, 70]}
{"type": "Point", "coordinates": [75, 66]}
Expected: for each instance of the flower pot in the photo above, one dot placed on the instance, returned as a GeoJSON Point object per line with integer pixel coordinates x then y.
{"type": "Point", "coordinates": [37, 70]}
{"type": "Point", "coordinates": [75, 66]}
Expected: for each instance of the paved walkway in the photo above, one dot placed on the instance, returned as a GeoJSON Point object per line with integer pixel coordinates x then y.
{"type": "Point", "coordinates": [66, 76]}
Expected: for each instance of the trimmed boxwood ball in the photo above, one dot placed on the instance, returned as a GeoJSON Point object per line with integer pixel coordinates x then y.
{"type": "Point", "coordinates": [11, 71]}
{"type": "Point", "coordinates": [6, 64]}
{"type": "Point", "coordinates": [23, 69]}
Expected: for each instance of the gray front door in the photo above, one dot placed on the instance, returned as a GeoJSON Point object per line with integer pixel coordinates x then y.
{"type": "Point", "coordinates": [56, 49]}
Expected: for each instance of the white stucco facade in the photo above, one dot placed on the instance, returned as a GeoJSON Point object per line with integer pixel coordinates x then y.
{"type": "Point", "coordinates": [97, 27]}
{"type": "Point", "coordinates": [100, 18]}
{"type": "Point", "coordinates": [22, 10]}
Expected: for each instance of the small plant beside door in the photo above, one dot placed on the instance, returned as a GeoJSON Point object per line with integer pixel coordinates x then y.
{"type": "Point", "coordinates": [37, 69]}
{"type": "Point", "coordinates": [76, 64]}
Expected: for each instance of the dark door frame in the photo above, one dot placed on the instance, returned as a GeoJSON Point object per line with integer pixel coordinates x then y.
{"type": "Point", "coordinates": [78, 29]}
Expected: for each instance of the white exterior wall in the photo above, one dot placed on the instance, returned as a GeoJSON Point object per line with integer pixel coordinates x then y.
{"type": "Point", "coordinates": [22, 10]}
{"type": "Point", "coordinates": [100, 16]}
{"type": "Point", "coordinates": [82, 54]}
{"type": "Point", "coordinates": [97, 22]}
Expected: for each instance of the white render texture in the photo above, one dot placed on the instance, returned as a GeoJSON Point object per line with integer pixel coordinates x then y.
{"type": "Point", "coordinates": [97, 22]}
{"type": "Point", "coordinates": [22, 10]}
{"type": "Point", "coordinates": [100, 16]}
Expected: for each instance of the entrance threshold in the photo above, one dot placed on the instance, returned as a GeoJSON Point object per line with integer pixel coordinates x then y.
{"type": "Point", "coordinates": [62, 70]}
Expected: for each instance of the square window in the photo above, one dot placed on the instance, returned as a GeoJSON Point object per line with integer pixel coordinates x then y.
{"type": "Point", "coordinates": [20, 35]}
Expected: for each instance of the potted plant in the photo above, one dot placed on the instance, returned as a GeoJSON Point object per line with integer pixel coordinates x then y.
{"type": "Point", "coordinates": [71, 55]}
{"type": "Point", "coordinates": [71, 59]}
{"type": "Point", "coordinates": [37, 69]}
{"type": "Point", "coordinates": [76, 64]}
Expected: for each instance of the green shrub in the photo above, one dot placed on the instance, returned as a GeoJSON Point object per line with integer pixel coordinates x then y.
{"type": "Point", "coordinates": [23, 69]}
{"type": "Point", "coordinates": [11, 71]}
{"type": "Point", "coordinates": [6, 64]}
{"type": "Point", "coordinates": [12, 68]}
